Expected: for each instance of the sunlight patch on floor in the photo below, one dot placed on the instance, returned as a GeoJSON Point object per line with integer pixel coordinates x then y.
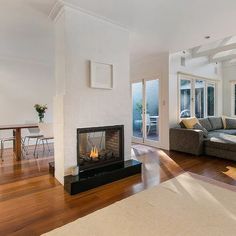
{"type": "Point", "coordinates": [169, 163]}
{"type": "Point", "coordinates": [231, 172]}
{"type": "Point", "coordinates": [198, 193]}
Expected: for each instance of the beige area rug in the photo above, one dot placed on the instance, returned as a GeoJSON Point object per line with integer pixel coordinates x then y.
{"type": "Point", "coordinates": [185, 205]}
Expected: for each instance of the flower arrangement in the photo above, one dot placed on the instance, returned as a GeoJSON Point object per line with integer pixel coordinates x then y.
{"type": "Point", "coordinates": [41, 109]}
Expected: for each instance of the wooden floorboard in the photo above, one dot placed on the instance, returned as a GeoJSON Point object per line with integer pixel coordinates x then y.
{"type": "Point", "coordinates": [12, 170]}
{"type": "Point", "coordinates": [32, 206]}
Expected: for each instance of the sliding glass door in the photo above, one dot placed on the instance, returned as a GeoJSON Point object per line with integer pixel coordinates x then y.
{"type": "Point", "coordinates": [196, 98]}
{"type": "Point", "coordinates": [145, 98]}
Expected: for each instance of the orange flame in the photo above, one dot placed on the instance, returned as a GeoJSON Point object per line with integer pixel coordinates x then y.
{"type": "Point", "coordinates": [94, 152]}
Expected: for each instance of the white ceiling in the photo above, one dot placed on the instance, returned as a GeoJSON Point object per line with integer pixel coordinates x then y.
{"type": "Point", "coordinates": [155, 25]}
{"type": "Point", "coordinates": [167, 25]}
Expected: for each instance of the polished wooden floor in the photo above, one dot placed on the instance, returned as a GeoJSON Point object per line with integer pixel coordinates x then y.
{"type": "Point", "coordinates": [38, 204]}
{"type": "Point", "coordinates": [12, 170]}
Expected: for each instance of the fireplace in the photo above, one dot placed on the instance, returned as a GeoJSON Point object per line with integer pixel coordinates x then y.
{"type": "Point", "coordinates": [100, 157]}
{"type": "Point", "coordinates": [100, 146]}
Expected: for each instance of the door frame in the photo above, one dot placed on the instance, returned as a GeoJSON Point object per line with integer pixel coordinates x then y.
{"type": "Point", "coordinates": [144, 140]}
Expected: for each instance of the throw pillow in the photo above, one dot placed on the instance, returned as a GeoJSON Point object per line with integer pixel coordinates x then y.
{"type": "Point", "coordinates": [230, 123]}
{"type": "Point", "coordinates": [190, 122]}
{"type": "Point", "coordinates": [181, 124]}
{"type": "Point", "coordinates": [200, 127]}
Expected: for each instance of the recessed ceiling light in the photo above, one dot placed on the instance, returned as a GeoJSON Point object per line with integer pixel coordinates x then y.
{"type": "Point", "coordinates": [207, 37]}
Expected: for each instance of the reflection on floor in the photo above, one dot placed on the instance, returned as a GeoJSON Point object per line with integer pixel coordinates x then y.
{"type": "Point", "coordinates": [167, 164]}
{"type": "Point", "coordinates": [12, 170]}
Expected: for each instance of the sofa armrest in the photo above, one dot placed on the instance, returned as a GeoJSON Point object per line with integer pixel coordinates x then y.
{"type": "Point", "coordinates": [187, 140]}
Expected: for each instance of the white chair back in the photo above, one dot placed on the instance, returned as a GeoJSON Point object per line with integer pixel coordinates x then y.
{"type": "Point", "coordinates": [32, 130]}
{"type": "Point", "coordinates": [46, 129]}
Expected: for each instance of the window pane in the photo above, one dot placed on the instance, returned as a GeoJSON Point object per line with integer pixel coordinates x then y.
{"type": "Point", "coordinates": [152, 109]}
{"type": "Point", "coordinates": [235, 99]}
{"type": "Point", "coordinates": [185, 98]}
{"type": "Point", "coordinates": [199, 98]}
{"type": "Point", "coordinates": [210, 100]}
{"type": "Point", "coordinates": [137, 97]}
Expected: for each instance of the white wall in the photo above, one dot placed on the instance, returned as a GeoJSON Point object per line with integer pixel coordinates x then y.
{"type": "Point", "coordinates": [197, 67]}
{"type": "Point", "coordinates": [60, 90]}
{"type": "Point", "coordinates": [229, 75]}
{"type": "Point", "coordinates": [26, 63]}
{"type": "Point", "coordinates": [89, 38]}
{"type": "Point", "coordinates": [24, 84]}
{"type": "Point", "coordinates": [156, 67]}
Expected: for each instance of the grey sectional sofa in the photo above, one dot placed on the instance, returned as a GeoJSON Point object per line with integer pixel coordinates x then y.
{"type": "Point", "coordinates": [218, 142]}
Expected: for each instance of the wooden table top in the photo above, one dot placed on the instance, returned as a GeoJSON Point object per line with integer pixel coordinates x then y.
{"type": "Point", "coordinates": [18, 126]}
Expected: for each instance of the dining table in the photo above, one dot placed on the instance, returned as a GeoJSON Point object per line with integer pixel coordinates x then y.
{"type": "Point", "coordinates": [17, 136]}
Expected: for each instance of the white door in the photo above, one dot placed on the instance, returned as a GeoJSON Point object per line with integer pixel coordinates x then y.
{"type": "Point", "coordinates": [145, 100]}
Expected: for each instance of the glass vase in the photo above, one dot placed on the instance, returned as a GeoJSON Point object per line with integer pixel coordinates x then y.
{"type": "Point", "coordinates": [41, 116]}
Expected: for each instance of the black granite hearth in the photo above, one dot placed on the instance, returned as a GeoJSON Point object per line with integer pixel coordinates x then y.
{"type": "Point", "coordinates": [96, 177]}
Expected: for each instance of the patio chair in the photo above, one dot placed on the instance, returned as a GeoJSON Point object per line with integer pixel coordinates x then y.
{"type": "Point", "coordinates": [150, 123]}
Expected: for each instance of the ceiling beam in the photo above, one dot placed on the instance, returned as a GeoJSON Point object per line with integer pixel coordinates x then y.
{"type": "Point", "coordinates": [211, 52]}
{"type": "Point", "coordinates": [213, 59]}
{"type": "Point", "coordinates": [223, 42]}
{"type": "Point", "coordinates": [231, 62]}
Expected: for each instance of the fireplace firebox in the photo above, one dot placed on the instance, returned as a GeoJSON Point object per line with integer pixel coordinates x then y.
{"type": "Point", "coordinates": [100, 146]}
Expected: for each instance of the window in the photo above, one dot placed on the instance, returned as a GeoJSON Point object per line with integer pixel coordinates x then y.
{"type": "Point", "coordinates": [185, 98]}
{"type": "Point", "coordinates": [199, 98]}
{"type": "Point", "coordinates": [196, 97]}
{"type": "Point", "coordinates": [210, 99]}
{"type": "Point", "coordinates": [233, 99]}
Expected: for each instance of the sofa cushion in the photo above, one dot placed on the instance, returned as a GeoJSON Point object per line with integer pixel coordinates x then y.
{"type": "Point", "coordinates": [205, 123]}
{"type": "Point", "coordinates": [200, 127]}
{"type": "Point", "coordinates": [230, 123]}
{"type": "Point", "coordinates": [226, 117]}
{"type": "Point", "coordinates": [222, 141]}
{"type": "Point", "coordinates": [223, 120]}
{"type": "Point", "coordinates": [190, 122]}
{"type": "Point", "coordinates": [216, 122]}
{"type": "Point", "coordinates": [225, 131]}
{"type": "Point", "coordinates": [213, 133]}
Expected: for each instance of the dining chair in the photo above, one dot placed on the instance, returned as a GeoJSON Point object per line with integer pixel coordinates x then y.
{"type": "Point", "coordinates": [2, 141]}
{"type": "Point", "coordinates": [46, 130]}
{"type": "Point", "coordinates": [10, 139]}
{"type": "Point", "coordinates": [34, 133]}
